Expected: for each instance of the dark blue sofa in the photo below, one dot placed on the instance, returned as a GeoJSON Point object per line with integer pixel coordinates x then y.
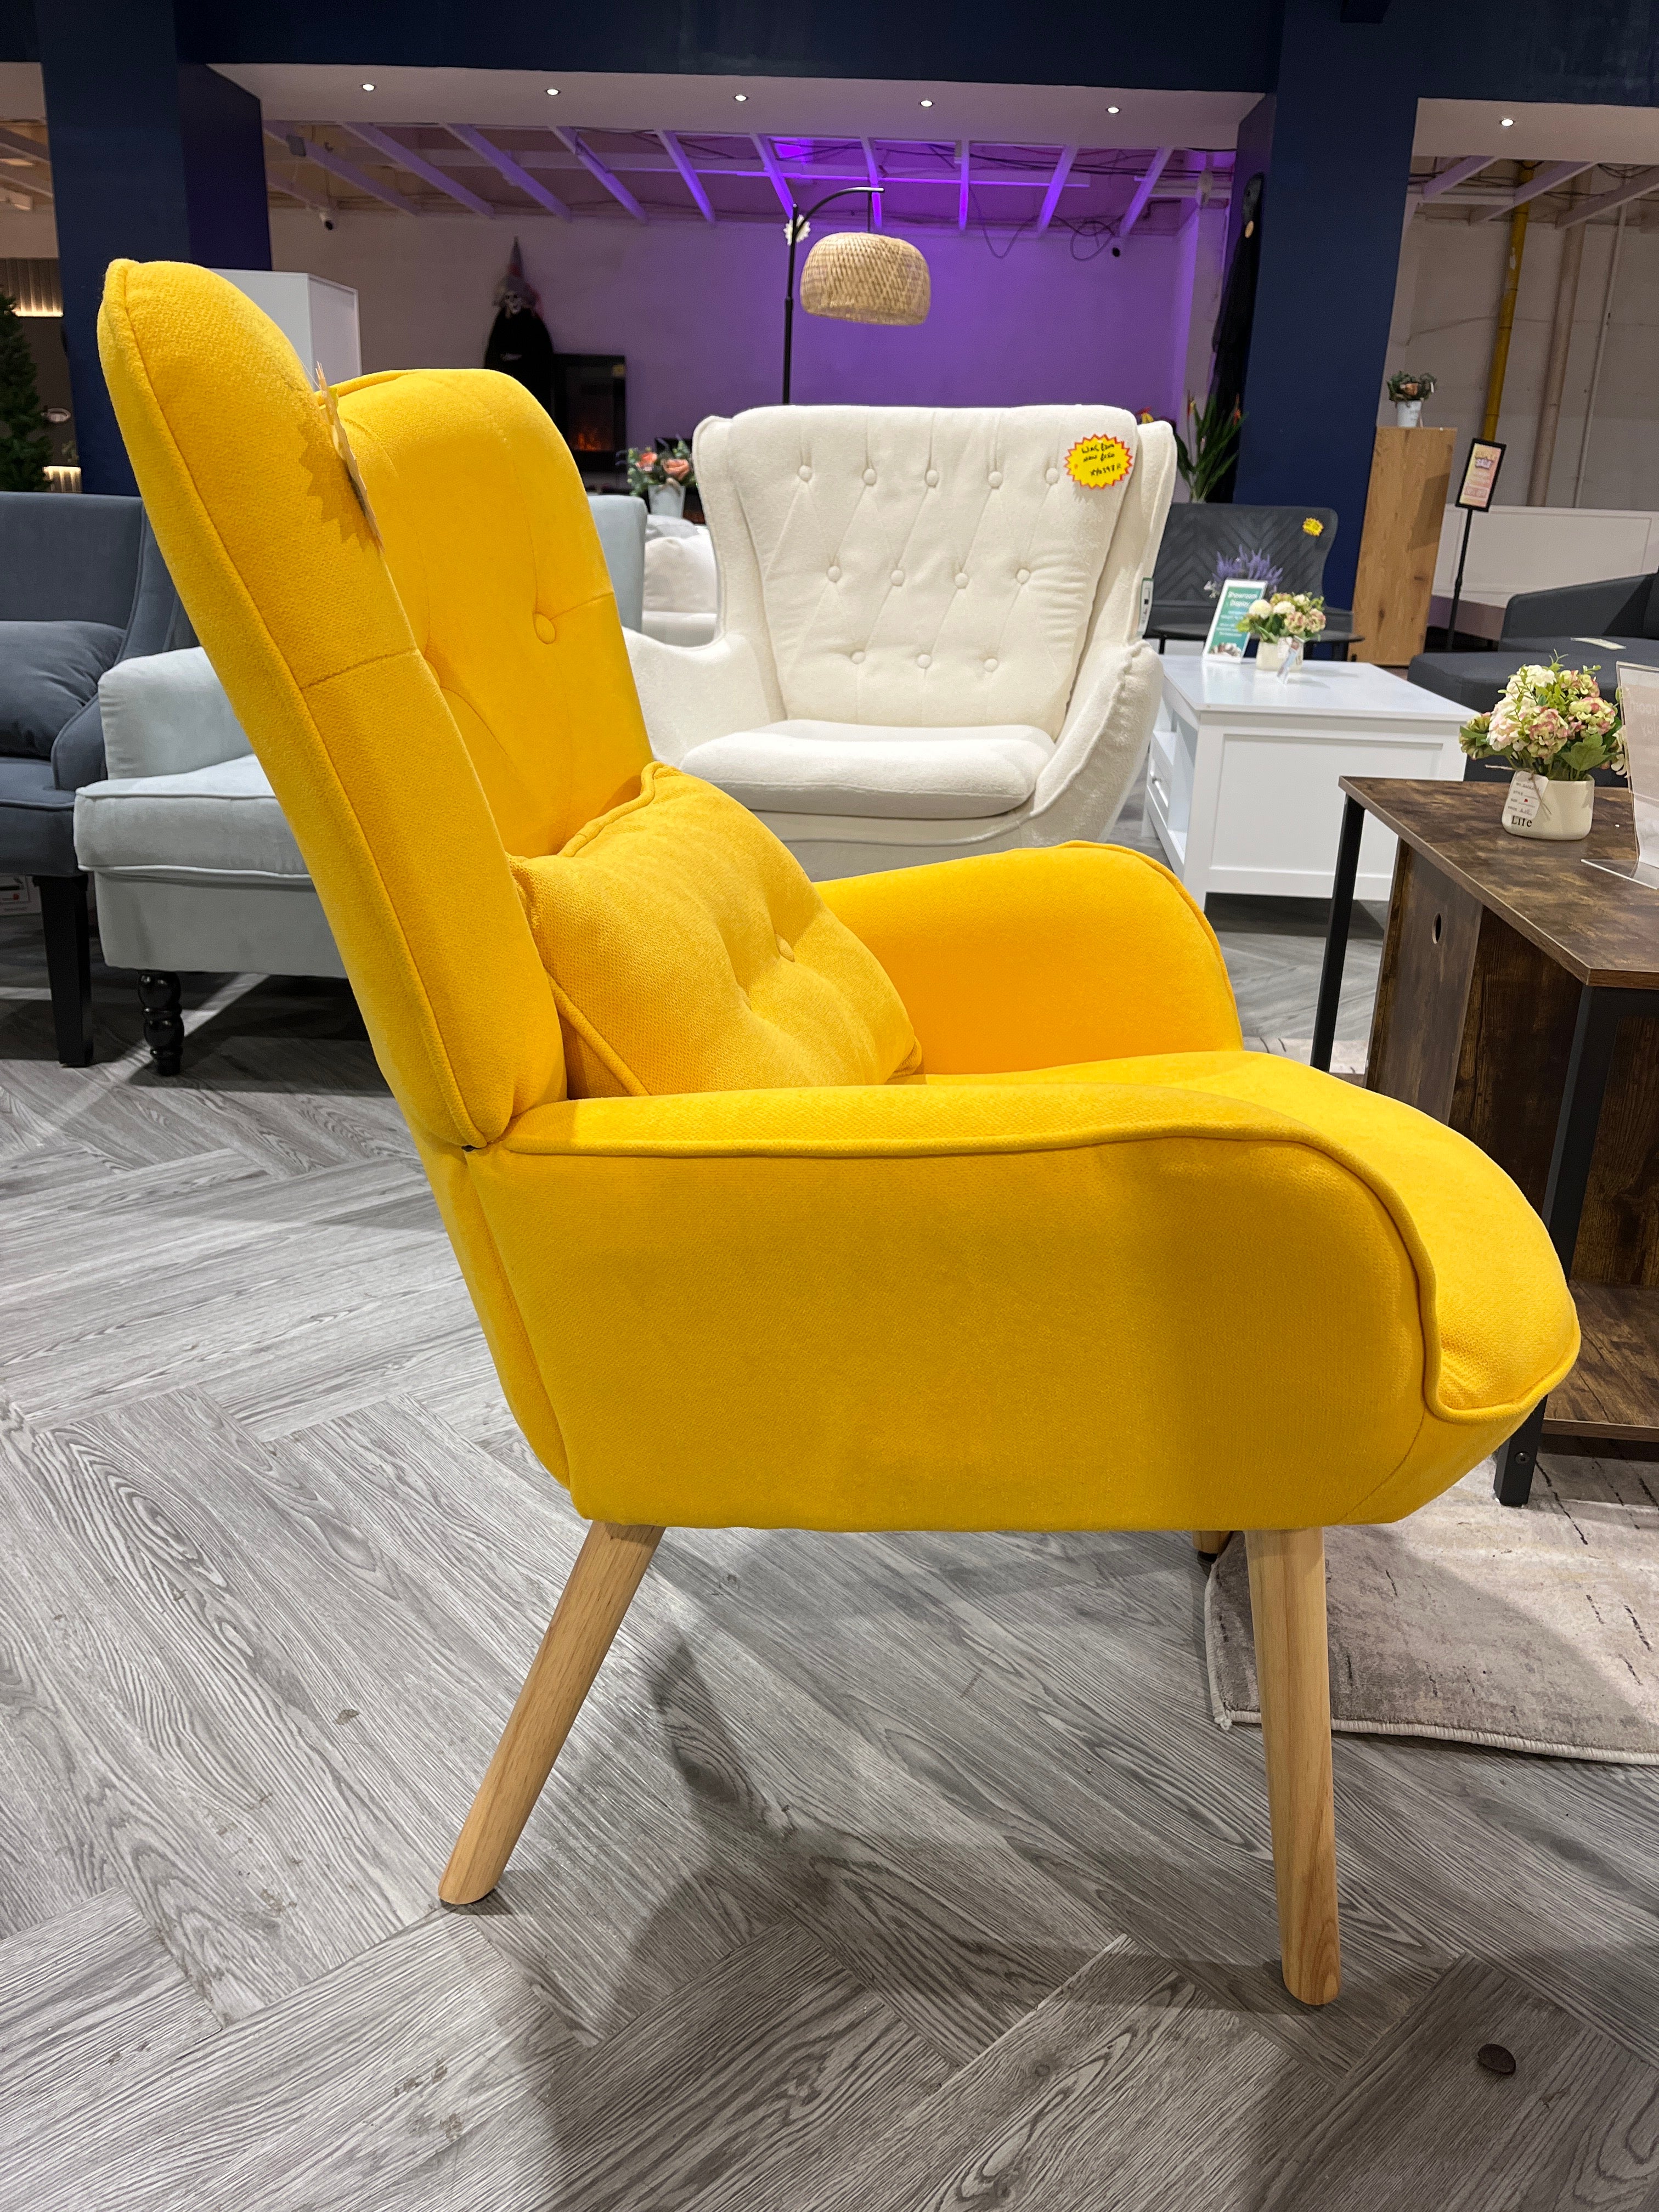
{"type": "Point", "coordinates": [82, 585]}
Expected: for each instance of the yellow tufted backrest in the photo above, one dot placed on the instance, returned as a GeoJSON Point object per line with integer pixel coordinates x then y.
{"type": "Point", "coordinates": [422, 711]}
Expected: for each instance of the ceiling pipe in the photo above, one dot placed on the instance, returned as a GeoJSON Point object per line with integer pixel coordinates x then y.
{"type": "Point", "coordinates": [1555, 375]}
{"type": "Point", "coordinates": [1600, 349]}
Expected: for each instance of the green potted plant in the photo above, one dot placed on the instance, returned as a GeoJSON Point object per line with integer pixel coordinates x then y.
{"type": "Point", "coordinates": [1282, 626]}
{"type": "Point", "coordinates": [1208, 448]}
{"type": "Point", "coordinates": [1409, 388]}
{"type": "Point", "coordinates": [1554, 729]}
{"type": "Point", "coordinates": [661, 475]}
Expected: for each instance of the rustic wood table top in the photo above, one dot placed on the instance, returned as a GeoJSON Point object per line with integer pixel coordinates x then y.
{"type": "Point", "coordinates": [1601, 928]}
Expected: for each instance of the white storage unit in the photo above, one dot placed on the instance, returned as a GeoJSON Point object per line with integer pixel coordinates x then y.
{"type": "Point", "coordinates": [1241, 778]}
{"type": "Point", "coordinates": [317, 318]}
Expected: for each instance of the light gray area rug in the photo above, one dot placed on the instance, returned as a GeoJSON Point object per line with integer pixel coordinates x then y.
{"type": "Point", "coordinates": [1534, 1629]}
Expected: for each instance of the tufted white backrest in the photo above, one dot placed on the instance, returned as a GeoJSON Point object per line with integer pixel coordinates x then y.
{"type": "Point", "coordinates": [919, 566]}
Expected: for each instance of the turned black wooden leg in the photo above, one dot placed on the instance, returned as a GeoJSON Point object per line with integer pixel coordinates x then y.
{"type": "Point", "coordinates": [164, 1027]}
{"type": "Point", "coordinates": [68, 964]}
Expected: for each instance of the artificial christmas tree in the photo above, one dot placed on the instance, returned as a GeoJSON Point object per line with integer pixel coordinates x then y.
{"type": "Point", "coordinates": [25, 441]}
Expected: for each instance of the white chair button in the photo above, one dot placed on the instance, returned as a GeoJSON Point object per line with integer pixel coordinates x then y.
{"type": "Point", "coordinates": [961, 583]}
{"type": "Point", "coordinates": [805, 473]}
{"type": "Point", "coordinates": [932, 476]}
{"type": "Point", "coordinates": [990, 664]}
{"type": "Point", "coordinates": [835, 573]}
{"type": "Point", "coordinates": [897, 576]}
{"type": "Point", "coordinates": [1051, 475]}
{"type": "Point", "coordinates": [869, 476]}
{"type": "Point", "coordinates": [1022, 575]}
{"type": "Point", "coordinates": [857, 657]}
{"type": "Point", "coordinates": [995, 478]}
{"type": "Point", "coordinates": [923, 660]}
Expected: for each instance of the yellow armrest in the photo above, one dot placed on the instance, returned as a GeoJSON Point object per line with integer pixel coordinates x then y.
{"type": "Point", "coordinates": [1060, 1305]}
{"type": "Point", "coordinates": [1045, 958]}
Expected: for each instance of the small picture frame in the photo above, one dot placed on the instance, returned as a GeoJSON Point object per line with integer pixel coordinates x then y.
{"type": "Point", "coordinates": [1481, 476]}
{"type": "Point", "coordinates": [1228, 638]}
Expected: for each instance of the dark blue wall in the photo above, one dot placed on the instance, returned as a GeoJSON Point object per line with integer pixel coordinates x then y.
{"type": "Point", "coordinates": [1549, 50]}
{"type": "Point", "coordinates": [150, 161]}
{"type": "Point", "coordinates": [1333, 204]}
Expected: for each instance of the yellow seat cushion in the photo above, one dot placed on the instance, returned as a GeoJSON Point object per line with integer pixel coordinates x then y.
{"type": "Point", "coordinates": [1497, 1315]}
{"type": "Point", "coordinates": [688, 950]}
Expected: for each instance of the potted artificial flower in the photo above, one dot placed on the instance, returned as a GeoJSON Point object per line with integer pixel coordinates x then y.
{"type": "Point", "coordinates": [1409, 388]}
{"type": "Point", "coordinates": [1281, 626]}
{"type": "Point", "coordinates": [1554, 729]}
{"type": "Point", "coordinates": [661, 475]}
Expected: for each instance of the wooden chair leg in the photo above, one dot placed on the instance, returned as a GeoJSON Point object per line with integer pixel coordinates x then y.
{"type": "Point", "coordinates": [1293, 1663]}
{"type": "Point", "coordinates": [608, 1570]}
{"type": "Point", "coordinates": [1211, 1542]}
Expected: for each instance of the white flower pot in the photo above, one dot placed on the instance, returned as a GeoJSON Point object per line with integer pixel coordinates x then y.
{"type": "Point", "coordinates": [665, 499]}
{"type": "Point", "coordinates": [1565, 809]}
{"type": "Point", "coordinates": [1407, 413]}
{"type": "Point", "coordinates": [1278, 656]}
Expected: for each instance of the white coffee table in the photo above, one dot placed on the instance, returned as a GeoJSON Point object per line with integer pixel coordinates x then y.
{"type": "Point", "coordinates": [1242, 778]}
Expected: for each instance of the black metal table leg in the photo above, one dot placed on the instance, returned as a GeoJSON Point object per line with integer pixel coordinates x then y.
{"type": "Point", "coordinates": [1589, 1063]}
{"type": "Point", "coordinates": [1336, 937]}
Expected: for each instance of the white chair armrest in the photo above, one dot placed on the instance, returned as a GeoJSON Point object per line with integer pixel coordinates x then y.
{"type": "Point", "coordinates": [165, 715]}
{"type": "Point", "coordinates": [690, 693]}
{"type": "Point", "coordinates": [1103, 738]}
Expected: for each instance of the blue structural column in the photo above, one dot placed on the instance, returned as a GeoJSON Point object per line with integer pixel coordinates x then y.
{"type": "Point", "coordinates": [151, 159]}
{"type": "Point", "coordinates": [1337, 165]}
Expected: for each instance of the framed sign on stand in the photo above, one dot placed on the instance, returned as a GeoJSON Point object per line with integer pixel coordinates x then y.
{"type": "Point", "coordinates": [1474, 496]}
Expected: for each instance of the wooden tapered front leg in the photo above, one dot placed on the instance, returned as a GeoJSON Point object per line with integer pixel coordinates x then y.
{"type": "Point", "coordinates": [1292, 1665]}
{"type": "Point", "coordinates": [608, 1570]}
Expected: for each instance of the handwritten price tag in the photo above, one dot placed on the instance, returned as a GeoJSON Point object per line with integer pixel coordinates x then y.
{"type": "Point", "coordinates": [1521, 807]}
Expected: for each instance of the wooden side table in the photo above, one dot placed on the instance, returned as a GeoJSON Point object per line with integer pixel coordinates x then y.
{"type": "Point", "coordinates": [1516, 1003]}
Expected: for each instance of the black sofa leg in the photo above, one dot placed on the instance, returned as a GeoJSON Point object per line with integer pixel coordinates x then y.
{"type": "Point", "coordinates": [164, 1027]}
{"type": "Point", "coordinates": [68, 964]}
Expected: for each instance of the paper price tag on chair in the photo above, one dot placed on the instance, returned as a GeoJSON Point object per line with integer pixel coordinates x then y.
{"type": "Point", "coordinates": [1638, 703]}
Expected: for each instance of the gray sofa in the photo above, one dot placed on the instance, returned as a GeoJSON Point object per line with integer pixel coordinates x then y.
{"type": "Point", "coordinates": [1589, 625]}
{"type": "Point", "coordinates": [196, 867]}
{"type": "Point", "coordinates": [82, 587]}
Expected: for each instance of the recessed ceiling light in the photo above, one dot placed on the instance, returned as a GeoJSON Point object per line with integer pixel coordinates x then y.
{"type": "Point", "coordinates": [368, 87]}
{"type": "Point", "coordinates": [927, 103]}
{"type": "Point", "coordinates": [552, 91]}
{"type": "Point", "coordinates": [1113, 111]}
{"type": "Point", "coordinates": [1508, 123]}
{"type": "Point", "coordinates": [740, 95]}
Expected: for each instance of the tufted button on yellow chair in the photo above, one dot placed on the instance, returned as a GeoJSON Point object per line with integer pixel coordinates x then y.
{"type": "Point", "coordinates": [950, 1203]}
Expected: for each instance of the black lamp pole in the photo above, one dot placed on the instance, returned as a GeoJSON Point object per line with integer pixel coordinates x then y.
{"type": "Point", "coordinates": [798, 219]}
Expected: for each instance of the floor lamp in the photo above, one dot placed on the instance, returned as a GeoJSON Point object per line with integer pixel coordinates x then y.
{"type": "Point", "coordinates": [853, 276]}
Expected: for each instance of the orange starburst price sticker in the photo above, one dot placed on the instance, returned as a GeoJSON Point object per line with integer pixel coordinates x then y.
{"type": "Point", "coordinates": [1098, 463]}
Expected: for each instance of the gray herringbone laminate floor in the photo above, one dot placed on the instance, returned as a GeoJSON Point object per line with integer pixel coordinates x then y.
{"type": "Point", "coordinates": [881, 1874]}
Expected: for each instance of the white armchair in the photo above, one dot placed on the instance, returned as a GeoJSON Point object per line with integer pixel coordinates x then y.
{"type": "Point", "coordinates": [929, 637]}
{"type": "Point", "coordinates": [195, 866]}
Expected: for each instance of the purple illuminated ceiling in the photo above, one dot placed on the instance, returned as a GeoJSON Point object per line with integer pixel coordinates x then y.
{"type": "Point", "coordinates": [727, 177]}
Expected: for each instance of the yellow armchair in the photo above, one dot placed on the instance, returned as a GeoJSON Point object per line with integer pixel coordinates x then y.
{"type": "Point", "coordinates": [1089, 1265]}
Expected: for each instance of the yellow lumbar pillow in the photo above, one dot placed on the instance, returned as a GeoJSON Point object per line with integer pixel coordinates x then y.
{"type": "Point", "coordinates": [688, 951]}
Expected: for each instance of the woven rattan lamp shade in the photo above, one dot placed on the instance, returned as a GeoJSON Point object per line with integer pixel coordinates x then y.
{"type": "Point", "coordinates": [866, 277]}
